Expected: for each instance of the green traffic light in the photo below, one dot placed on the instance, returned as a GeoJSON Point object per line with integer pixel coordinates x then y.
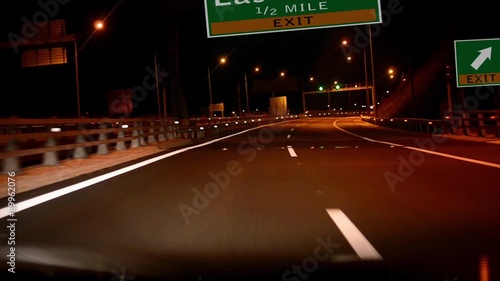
{"type": "Point", "coordinates": [321, 88]}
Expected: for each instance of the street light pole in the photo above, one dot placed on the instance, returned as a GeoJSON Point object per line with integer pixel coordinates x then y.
{"type": "Point", "coordinates": [329, 101]}
{"type": "Point", "coordinates": [222, 60]}
{"type": "Point", "coordinates": [157, 85]}
{"type": "Point", "coordinates": [98, 25]}
{"type": "Point", "coordinates": [374, 97]}
{"type": "Point", "coordinates": [165, 101]}
{"type": "Point", "coordinates": [246, 93]}
{"type": "Point", "coordinates": [239, 100]}
{"type": "Point", "coordinates": [366, 80]}
{"type": "Point", "coordinates": [77, 79]}
{"type": "Point", "coordinates": [210, 91]}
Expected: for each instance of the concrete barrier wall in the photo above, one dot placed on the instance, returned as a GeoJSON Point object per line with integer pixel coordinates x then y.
{"type": "Point", "coordinates": [25, 142]}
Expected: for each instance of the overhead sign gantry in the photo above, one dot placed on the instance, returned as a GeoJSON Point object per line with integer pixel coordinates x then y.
{"type": "Point", "coordinates": [238, 17]}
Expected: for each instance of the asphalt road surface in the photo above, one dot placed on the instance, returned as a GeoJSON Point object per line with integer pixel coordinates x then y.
{"type": "Point", "coordinates": [309, 199]}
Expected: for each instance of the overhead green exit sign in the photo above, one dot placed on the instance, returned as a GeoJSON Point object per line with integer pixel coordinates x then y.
{"type": "Point", "coordinates": [477, 62]}
{"type": "Point", "coordinates": [238, 17]}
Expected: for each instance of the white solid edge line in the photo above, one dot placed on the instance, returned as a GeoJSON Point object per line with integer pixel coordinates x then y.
{"type": "Point", "coordinates": [356, 239]}
{"type": "Point", "coordinates": [5, 212]}
{"type": "Point", "coordinates": [291, 151]}
{"type": "Point", "coordinates": [470, 160]}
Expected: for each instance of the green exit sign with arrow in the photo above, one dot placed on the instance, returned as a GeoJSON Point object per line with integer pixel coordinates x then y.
{"type": "Point", "coordinates": [477, 62]}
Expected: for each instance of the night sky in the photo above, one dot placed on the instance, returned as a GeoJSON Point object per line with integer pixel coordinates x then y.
{"type": "Point", "coordinates": [119, 56]}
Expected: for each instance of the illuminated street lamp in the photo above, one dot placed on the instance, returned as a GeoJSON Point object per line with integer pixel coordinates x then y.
{"type": "Point", "coordinates": [98, 25]}
{"type": "Point", "coordinates": [391, 73]}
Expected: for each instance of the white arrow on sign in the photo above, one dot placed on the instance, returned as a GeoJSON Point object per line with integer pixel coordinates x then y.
{"type": "Point", "coordinates": [483, 56]}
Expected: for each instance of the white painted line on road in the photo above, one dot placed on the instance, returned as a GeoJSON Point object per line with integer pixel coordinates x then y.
{"type": "Point", "coordinates": [480, 162]}
{"type": "Point", "coordinates": [20, 206]}
{"type": "Point", "coordinates": [356, 239]}
{"type": "Point", "coordinates": [465, 159]}
{"type": "Point", "coordinates": [288, 136]}
{"type": "Point", "coordinates": [291, 151]}
{"type": "Point", "coordinates": [365, 138]}
{"type": "Point", "coordinates": [75, 187]}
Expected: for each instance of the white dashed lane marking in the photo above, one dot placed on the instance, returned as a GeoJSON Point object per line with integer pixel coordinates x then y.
{"type": "Point", "coordinates": [356, 239]}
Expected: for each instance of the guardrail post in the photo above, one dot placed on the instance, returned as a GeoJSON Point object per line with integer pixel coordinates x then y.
{"type": "Point", "coordinates": [428, 127]}
{"type": "Point", "coordinates": [175, 129]}
{"type": "Point", "coordinates": [151, 136]}
{"type": "Point", "coordinates": [120, 145]}
{"type": "Point", "coordinates": [466, 124]}
{"type": "Point", "coordinates": [135, 142]}
{"type": "Point", "coordinates": [11, 164]}
{"type": "Point", "coordinates": [161, 136]}
{"type": "Point", "coordinates": [170, 129]}
{"type": "Point", "coordinates": [481, 125]}
{"type": "Point", "coordinates": [79, 152]}
{"type": "Point", "coordinates": [103, 147]}
{"type": "Point", "coordinates": [455, 125]}
{"type": "Point", "coordinates": [171, 132]}
{"type": "Point", "coordinates": [142, 142]}
{"type": "Point", "coordinates": [50, 157]}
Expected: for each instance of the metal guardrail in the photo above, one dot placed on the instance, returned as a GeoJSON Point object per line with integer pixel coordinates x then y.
{"type": "Point", "coordinates": [484, 124]}
{"type": "Point", "coordinates": [29, 142]}
{"type": "Point", "coordinates": [333, 113]}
